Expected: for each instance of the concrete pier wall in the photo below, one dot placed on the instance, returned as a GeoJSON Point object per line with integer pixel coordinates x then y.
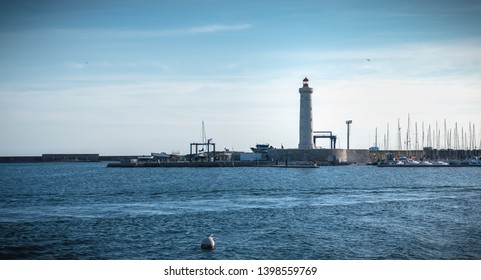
{"type": "Point", "coordinates": [70, 157]}
{"type": "Point", "coordinates": [333, 156]}
{"type": "Point", "coordinates": [20, 159]}
{"type": "Point", "coordinates": [50, 158]}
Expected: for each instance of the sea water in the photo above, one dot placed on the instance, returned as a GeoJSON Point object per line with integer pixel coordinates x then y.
{"type": "Point", "coordinates": [89, 211]}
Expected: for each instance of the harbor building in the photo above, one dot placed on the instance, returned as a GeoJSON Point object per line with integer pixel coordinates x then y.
{"type": "Point", "coordinates": [305, 117]}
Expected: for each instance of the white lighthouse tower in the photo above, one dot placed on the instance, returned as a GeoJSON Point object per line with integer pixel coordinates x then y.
{"type": "Point", "coordinates": [305, 120]}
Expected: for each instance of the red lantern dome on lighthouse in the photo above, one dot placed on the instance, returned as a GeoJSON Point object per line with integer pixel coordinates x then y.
{"type": "Point", "coordinates": [305, 82]}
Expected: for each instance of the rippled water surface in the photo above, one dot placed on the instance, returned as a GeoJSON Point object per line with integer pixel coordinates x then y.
{"type": "Point", "coordinates": [88, 211]}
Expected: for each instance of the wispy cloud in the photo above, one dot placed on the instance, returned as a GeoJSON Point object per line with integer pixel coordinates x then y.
{"type": "Point", "coordinates": [218, 28]}
{"type": "Point", "coordinates": [182, 31]}
{"type": "Point", "coordinates": [153, 33]}
{"type": "Point", "coordinates": [75, 65]}
{"type": "Point", "coordinates": [117, 33]}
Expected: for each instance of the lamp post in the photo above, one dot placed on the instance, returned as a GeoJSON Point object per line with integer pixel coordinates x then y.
{"type": "Point", "coordinates": [348, 122]}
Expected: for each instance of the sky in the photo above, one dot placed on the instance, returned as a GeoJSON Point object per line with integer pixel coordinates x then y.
{"type": "Point", "coordinates": [134, 77]}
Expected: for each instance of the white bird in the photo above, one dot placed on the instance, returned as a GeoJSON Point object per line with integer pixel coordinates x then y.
{"type": "Point", "coordinates": [208, 243]}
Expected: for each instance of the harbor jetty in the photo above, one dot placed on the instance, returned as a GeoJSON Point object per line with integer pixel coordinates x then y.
{"type": "Point", "coordinates": [268, 157]}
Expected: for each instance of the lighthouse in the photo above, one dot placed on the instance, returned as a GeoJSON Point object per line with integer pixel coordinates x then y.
{"type": "Point", "coordinates": [305, 117]}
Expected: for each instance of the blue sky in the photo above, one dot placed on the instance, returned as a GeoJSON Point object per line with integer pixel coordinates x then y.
{"type": "Point", "coordinates": [134, 77]}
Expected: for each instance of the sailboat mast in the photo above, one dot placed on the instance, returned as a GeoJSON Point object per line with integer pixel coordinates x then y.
{"type": "Point", "coordinates": [422, 138]}
{"type": "Point", "coordinates": [429, 138]}
{"type": "Point", "coordinates": [408, 138]}
{"type": "Point", "coordinates": [387, 141]}
{"type": "Point", "coordinates": [399, 144]}
{"type": "Point", "coordinates": [416, 143]}
{"type": "Point", "coordinates": [445, 136]}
